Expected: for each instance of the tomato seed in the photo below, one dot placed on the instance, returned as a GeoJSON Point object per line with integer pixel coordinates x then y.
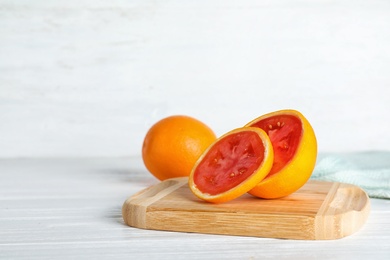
{"type": "Point", "coordinates": [242, 170]}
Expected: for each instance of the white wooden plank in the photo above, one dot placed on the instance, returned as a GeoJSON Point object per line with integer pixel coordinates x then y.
{"type": "Point", "coordinates": [82, 77]}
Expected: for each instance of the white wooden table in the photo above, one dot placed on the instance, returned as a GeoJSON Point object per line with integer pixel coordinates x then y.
{"type": "Point", "coordinates": [71, 209]}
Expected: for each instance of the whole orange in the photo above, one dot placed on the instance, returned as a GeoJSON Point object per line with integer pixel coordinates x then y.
{"type": "Point", "coordinates": [173, 145]}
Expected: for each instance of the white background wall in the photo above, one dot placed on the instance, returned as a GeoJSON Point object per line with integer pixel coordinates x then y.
{"type": "Point", "coordinates": [88, 78]}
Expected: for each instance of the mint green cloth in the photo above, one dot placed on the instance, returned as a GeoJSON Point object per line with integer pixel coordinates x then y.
{"type": "Point", "coordinates": [368, 170]}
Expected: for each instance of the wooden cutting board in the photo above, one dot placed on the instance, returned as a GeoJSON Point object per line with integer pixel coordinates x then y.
{"type": "Point", "coordinates": [319, 210]}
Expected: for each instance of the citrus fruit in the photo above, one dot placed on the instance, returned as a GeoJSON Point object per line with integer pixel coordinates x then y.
{"type": "Point", "coordinates": [232, 165]}
{"type": "Point", "coordinates": [295, 152]}
{"type": "Point", "coordinates": [173, 144]}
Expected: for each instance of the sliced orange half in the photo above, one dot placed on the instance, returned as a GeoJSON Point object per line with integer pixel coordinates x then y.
{"type": "Point", "coordinates": [295, 152]}
{"type": "Point", "coordinates": [234, 164]}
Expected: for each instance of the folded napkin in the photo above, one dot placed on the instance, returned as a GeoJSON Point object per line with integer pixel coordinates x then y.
{"type": "Point", "coordinates": [368, 170]}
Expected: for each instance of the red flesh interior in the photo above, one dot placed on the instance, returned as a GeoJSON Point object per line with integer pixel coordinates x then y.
{"type": "Point", "coordinates": [229, 162]}
{"type": "Point", "coordinates": [284, 132]}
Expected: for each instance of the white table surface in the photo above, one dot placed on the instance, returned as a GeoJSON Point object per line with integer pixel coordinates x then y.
{"type": "Point", "coordinates": [71, 209]}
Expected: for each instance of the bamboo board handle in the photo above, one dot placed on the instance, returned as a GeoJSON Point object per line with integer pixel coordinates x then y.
{"type": "Point", "coordinates": [135, 208]}
{"type": "Point", "coordinates": [345, 209]}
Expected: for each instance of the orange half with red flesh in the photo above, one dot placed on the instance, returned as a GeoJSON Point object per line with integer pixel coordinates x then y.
{"type": "Point", "coordinates": [295, 152]}
{"type": "Point", "coordinates": [234, 164]}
